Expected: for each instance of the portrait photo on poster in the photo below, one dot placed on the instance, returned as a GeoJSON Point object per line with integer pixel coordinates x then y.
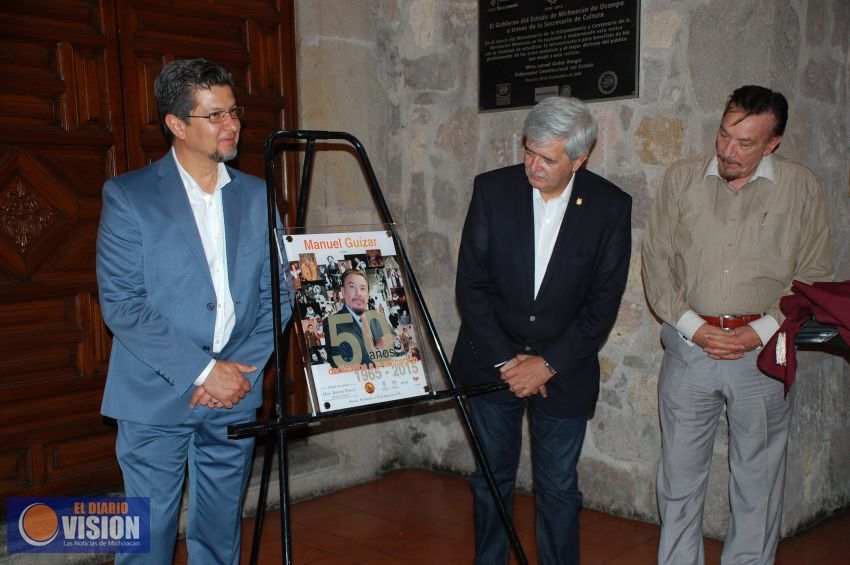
{"type": "Point", "coordinates": [358, 334]}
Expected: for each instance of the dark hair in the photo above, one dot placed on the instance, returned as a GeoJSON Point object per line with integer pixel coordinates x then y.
{"type": "Point", "coordinates": [756, 100]}
{"type": "Point", "coordinates": [177, 83]}
{"type": "Point", "coordinates": [355, 272]}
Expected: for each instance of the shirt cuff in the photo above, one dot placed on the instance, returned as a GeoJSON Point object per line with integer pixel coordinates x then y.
{"type": "Point", "coordinates": [765, 327]}
{"type": "Point", "coordinates": [205, 373]}
{"type": "Point", "coordinates": [688, 324]}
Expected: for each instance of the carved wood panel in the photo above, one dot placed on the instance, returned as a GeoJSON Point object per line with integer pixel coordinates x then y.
{"type": "Point", "coordinates": [76, 102]}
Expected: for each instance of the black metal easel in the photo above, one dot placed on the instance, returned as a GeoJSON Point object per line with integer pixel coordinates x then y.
{"type": "Point", "coordinates": [281, 421]}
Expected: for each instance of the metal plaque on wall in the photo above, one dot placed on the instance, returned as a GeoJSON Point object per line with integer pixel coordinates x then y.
{"type": "Point", "coordinates": [531, 49]}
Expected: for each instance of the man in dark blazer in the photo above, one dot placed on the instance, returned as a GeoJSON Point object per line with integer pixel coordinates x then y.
{"type": "Point", "coordinates": [542, 268]}
{"type": "Point", "coordinates": [184, 276]}
{"type": "Point", "coordinates": [344, 330]}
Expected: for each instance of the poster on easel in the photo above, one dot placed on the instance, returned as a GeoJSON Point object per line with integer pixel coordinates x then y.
{"type": "Point", "coordinates": [358, 335]}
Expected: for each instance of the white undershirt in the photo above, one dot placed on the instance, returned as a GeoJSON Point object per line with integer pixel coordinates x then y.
{"type": "Point", "coordinates": [548, 217]}
{"type": "Point", "coordinates": [209, 218]}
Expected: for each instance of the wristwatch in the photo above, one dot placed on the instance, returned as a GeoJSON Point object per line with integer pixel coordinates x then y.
{"type": "Point", "coordinates": [548, 366]}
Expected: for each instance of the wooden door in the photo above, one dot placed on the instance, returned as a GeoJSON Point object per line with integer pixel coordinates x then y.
{"type": "Point", "coordinates": [254, 40]}
{"type": "Point", "coordinates": [76, 103]}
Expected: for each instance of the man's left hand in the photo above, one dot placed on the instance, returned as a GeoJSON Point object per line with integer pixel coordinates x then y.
{"type": "Point", "coordinates": [225, 385]}
{"type": "Point", "coordinates": [527, 376]}
{"type": "Point", "coordinates": [732, 344]}
{"type": "Point", "coordinates": [202, 397]}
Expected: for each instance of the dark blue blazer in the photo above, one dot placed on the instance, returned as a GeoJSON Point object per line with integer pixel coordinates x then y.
{"type": "Point", "coordinates": [342, 348]}
{"type": "Point", "coordinates": [157, 294]}
{"type": "Point", "coordinates": [578, 300]}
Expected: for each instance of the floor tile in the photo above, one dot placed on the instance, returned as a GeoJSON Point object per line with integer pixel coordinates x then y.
{"type": "Point", "coordinates": [795, 551]}
{"type": "Point", "coordinates": [645, 553]}
{"type": "Point", "coordinates": [422, 518]}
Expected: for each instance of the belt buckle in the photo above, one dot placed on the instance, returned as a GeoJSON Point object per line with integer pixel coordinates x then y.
{"type": "Point", "coordinates": [726, 317]}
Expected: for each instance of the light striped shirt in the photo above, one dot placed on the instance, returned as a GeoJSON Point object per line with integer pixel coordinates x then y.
{"type": "Point", "coordinates": [710, 249]}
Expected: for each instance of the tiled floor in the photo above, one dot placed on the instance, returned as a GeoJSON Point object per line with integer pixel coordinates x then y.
{"type": "Point", "coordinates": [419, 517]}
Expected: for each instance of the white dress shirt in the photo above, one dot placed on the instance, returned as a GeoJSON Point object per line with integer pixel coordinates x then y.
{"type": "Point", "coordinates": [548, 217]}
{"type": "Point", "coordinates": [209, 217]}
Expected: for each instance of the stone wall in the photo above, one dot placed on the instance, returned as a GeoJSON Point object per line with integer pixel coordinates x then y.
{"type": "Point", "coordinates": [401, 75]}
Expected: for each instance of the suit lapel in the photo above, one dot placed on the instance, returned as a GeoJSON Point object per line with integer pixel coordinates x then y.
{"type": "Point", "coordinates": [176, 201]}
{"type": "Point", "coordinates": [355, 326]}
{"type": "Point", "coordinates": [231, 198]}
{"type": "Point", "coordinates": [525, 235]}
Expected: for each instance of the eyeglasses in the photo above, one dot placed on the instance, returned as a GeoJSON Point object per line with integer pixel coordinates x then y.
{"type": "Point", "coordinates": [237, 113]}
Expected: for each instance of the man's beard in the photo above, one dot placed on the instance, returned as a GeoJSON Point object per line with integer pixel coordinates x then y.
{"type": "Point", "coordinates": [220, 157]}
{"type": "Point", "coordinates": [724, 167]}
{"type": "Point", "coordinates": [729, 177]}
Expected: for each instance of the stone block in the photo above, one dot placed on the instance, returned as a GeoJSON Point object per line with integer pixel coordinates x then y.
{"type": "Point", "coordinates": [457, 135]}
{"type": "Point", "coordinates": [658, 140]}
{"type": "Point", "coordinates": [434, 72]}
{"type": "Point", "coordinates": [423, 22]}
{"type": "Point", "coordinates": [659, 29]}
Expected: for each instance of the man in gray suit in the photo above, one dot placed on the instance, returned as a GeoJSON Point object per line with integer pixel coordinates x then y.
{"type": "Point", "coordinates": [729, 232]}
{"type": "Point", "coordinates": [184, 275]}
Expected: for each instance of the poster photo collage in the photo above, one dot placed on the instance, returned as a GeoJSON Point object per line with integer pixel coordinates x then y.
{"type": "Point", "coordinates": [358, 336]}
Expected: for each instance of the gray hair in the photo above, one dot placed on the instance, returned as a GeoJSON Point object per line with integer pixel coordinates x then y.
{"type": "Point", "coordinates": [562, 118]}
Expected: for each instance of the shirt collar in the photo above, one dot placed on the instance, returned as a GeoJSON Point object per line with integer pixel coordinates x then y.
{"type": "Point", "coordinates": [191, 185]}
{"type": "Point", "coordinates": [764, 170]}
{"type": "Point", "coordinates": [560, 199]}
